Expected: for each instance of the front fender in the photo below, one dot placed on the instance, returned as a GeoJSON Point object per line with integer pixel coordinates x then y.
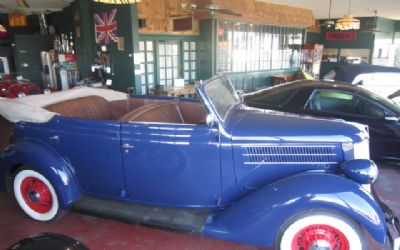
{"type": "Point", "coordinates": [45, 160]}
{"type": "Point", "coordinates": [256, 218]}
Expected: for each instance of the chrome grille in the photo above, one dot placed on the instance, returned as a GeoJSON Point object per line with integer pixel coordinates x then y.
{"type": "Point", "coordinates": [318, 154]}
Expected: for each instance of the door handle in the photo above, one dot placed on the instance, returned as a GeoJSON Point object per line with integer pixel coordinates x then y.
{"type": "Point", "coordinates": [55, 137]}
{"type": "Point", "coordinates": [127, 146]}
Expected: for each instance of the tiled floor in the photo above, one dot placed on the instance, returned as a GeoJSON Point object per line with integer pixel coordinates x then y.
{"type": "Point", "coordinates": [97, 233]}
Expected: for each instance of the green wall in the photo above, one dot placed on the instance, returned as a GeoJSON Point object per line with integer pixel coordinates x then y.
{"type": "Point", "coordinates": [122, 66]}
{"type": "Point", "coordinates": [207, 49]}
{"type": "Point", "coordinates": [79, 19]}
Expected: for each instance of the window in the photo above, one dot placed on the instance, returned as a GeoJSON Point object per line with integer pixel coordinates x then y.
{"type": "Point", "coordinates": [344, 103]}
{"type": "Point", "coordinates": [277, 96]}
{"type": "Point", "coordinates": [163, 61]}
{"type": "Point", "coordinates": [168, 61]}
{"type": "Point", "coordinates": [251, 47]}
{"type": "Point", "coordinates": [146, 49]}
{"type": "Point", "coordinates": [189, 61]}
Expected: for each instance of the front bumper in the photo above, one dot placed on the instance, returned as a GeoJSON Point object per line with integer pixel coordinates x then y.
{"type": "Point", "coordinates": [392, 223]}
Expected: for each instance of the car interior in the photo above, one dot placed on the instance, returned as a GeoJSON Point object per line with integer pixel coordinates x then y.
{"type": "Point", "coordinates": [131, 110]}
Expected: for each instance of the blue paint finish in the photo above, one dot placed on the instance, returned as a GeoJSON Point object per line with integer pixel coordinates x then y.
{"type": "Point", "coordinates": [45, 160]}
{"type": "Point", "coordinates": [172, 164]}
{"type": "Point", "coordinates": [361, 171]}
{"type": "Point", "coordinates": [93, 149]}
{"type": "Point", "coordinates": [257, 217]}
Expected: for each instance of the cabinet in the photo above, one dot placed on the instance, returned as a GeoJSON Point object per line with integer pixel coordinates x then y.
{"type": "Point", "coordinates": [311, 57]}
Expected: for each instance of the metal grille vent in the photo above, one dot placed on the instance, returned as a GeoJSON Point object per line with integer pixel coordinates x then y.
{"type": "Point", "coordinates": [321, 154]}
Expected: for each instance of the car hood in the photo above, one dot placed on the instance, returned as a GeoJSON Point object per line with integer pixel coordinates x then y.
{"type": "Point", "coordinates": [267, 125]}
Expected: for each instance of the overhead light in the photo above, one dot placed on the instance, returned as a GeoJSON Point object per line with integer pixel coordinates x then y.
{"type": "Point", "coordinates": [348, 22]}
{"type": "Point", "coordinates": [117, 1]}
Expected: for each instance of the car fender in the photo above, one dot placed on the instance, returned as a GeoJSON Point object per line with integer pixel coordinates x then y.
{"type": "Point", "coordinates": [45, 160]}
{"type": "Point", "coordinates": [256, 218]}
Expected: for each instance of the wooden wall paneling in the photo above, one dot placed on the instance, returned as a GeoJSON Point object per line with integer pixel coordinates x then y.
{"type": "Point", "coordinates": [159, 13]}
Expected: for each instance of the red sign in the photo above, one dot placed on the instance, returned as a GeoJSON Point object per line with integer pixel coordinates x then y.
{"type": "Point", "coordinates": [340, 36]}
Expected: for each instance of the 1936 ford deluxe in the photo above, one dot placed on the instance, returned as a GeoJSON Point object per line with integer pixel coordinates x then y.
{"type": "Point", "coordinates": [213, 167]}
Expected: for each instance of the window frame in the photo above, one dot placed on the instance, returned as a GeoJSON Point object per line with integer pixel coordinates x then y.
{"type": "Point", "coordinates": [264, 47]}
{"type": "Point", "coordinates": [308, 103]}
{"type": "Point", "coordinates": [156, 40]}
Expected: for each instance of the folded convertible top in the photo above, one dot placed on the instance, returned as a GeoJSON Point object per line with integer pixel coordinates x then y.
{"type": "Point", "coordinates": [30, 108]}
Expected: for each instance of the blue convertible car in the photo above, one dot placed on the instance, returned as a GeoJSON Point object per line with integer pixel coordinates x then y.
{"type": "Point", "coordinates": [213, 167]}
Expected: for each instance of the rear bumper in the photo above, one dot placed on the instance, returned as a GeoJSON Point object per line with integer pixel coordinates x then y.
{"type": "Point", "coordinates": [392, 223]}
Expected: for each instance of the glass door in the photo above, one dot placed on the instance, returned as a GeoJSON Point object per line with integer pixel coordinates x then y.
{"type": "Point", "coordinates": [169, 65]}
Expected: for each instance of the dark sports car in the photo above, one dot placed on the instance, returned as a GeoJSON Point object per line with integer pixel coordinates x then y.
{"type": "Point", "coordinates": [336, 100]}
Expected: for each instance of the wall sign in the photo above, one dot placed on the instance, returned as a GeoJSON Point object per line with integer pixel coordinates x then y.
{"type": "Point", "coordinates": [340, 36]}
{"type": "Point", "coordinates": [105, 27]}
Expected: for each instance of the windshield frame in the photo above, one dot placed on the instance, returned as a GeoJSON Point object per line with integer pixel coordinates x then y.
{"type": "Point", "coordinates": [216, 85]}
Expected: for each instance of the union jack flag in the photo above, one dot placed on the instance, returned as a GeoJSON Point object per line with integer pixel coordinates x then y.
{"type": "Point", "coordinates": [106, 27]}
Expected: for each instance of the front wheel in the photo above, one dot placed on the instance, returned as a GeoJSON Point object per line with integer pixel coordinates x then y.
{"type": "Point", "coordinates": [36, 195]}
{"type": "Point", "coordinates": [320, 229]}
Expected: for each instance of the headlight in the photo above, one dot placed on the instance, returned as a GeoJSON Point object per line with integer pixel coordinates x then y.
{"type": "Point", "coordinates": [362, 171]}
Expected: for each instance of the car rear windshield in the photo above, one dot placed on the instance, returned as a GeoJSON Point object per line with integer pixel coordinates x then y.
{"type": "Point", "coordinates": [276, 96]}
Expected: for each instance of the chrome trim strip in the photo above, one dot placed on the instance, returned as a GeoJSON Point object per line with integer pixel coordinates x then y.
{"type": "Point", "coordinates": [287, 163]}
{"type": "Point", "coordinates": [281, 146]}
{"type": "Point", "coordinates": [289, 154]}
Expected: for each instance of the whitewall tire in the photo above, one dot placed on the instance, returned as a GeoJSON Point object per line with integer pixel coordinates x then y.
{"type": "Point", "coordinates": [320, 229]}
{"type": "Point", "coordinates": [36, 195]}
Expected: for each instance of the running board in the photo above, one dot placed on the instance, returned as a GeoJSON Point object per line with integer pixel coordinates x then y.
{"type": "Point", "coordinates": [189, 220]}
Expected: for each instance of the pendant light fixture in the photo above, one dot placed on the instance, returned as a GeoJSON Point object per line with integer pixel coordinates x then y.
{"type": "Point", "coordinates": [348, 22]}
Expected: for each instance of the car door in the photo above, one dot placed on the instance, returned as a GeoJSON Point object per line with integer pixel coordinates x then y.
{"type": "Point", "coordinates": [352, 107]}
{"type": "Point", "coordinates": [171, 164]}
{"type": "Point", "coordinates": [92, 148]}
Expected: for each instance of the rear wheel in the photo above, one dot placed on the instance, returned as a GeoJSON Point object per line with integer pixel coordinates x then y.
{"type": "Point", "coordinates": [320, 229]}
{"type": "Point", "coordinates": [36, 195]}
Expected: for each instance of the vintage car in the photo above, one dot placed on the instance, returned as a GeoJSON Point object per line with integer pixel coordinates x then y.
{"type": "Point", "coordinates": [212, 167]}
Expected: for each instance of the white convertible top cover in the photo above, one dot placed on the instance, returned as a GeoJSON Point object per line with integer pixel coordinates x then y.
{"type": "Point", "coordinates": [30, 108]}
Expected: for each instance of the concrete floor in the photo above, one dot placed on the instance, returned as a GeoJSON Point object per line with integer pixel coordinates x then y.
{"type": "Point", "coordinates": [97, 233]}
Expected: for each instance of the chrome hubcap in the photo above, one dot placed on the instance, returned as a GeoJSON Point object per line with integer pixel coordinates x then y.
{"type": "Point", "coordinates": [34, 196]}
{"type": "Point", "coordinates": [320, 245]}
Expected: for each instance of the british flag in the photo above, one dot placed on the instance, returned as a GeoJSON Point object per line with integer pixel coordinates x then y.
{"type": "Point", "coordinates": [106, 27]}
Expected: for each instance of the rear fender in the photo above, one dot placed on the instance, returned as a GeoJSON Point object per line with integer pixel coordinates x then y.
{"type": "Point", "coordinates": [45, 160]}
{"type": "Point", "coordinates": [256, 218]}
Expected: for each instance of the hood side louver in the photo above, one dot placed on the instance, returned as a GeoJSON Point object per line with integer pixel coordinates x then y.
{"type": "Point", "coordinates": [318, 155]}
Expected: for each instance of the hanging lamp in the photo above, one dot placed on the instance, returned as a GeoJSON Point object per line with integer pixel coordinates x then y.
{"type": "Point", "coordinates": [348, 22]}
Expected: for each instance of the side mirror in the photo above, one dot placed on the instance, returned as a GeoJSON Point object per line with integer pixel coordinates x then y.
{"type": "Point", "coordinates": [210, 120]}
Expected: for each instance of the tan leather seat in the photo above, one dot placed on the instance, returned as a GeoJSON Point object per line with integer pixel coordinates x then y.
{"type": "Point", "coordinates": [193, 112]}
{"type": "Point", "coordinates": [88, 107]}
{"type": "Point", "coordinates": [167, 112]}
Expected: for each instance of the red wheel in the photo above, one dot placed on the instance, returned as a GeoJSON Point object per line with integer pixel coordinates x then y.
{"type": "Point", "coordinates": [320, 229]}
{"type": "Point", "coordinates": [35, 195]}
{"type": "Point", "coordinates": [320, 236]}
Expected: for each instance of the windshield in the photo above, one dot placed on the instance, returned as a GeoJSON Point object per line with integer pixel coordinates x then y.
{"type": "Point", "coordinates": [222, 96]}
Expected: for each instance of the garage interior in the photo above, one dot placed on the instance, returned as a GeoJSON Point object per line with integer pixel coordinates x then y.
{"type": "Point", "coordinates": [168, 48]}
